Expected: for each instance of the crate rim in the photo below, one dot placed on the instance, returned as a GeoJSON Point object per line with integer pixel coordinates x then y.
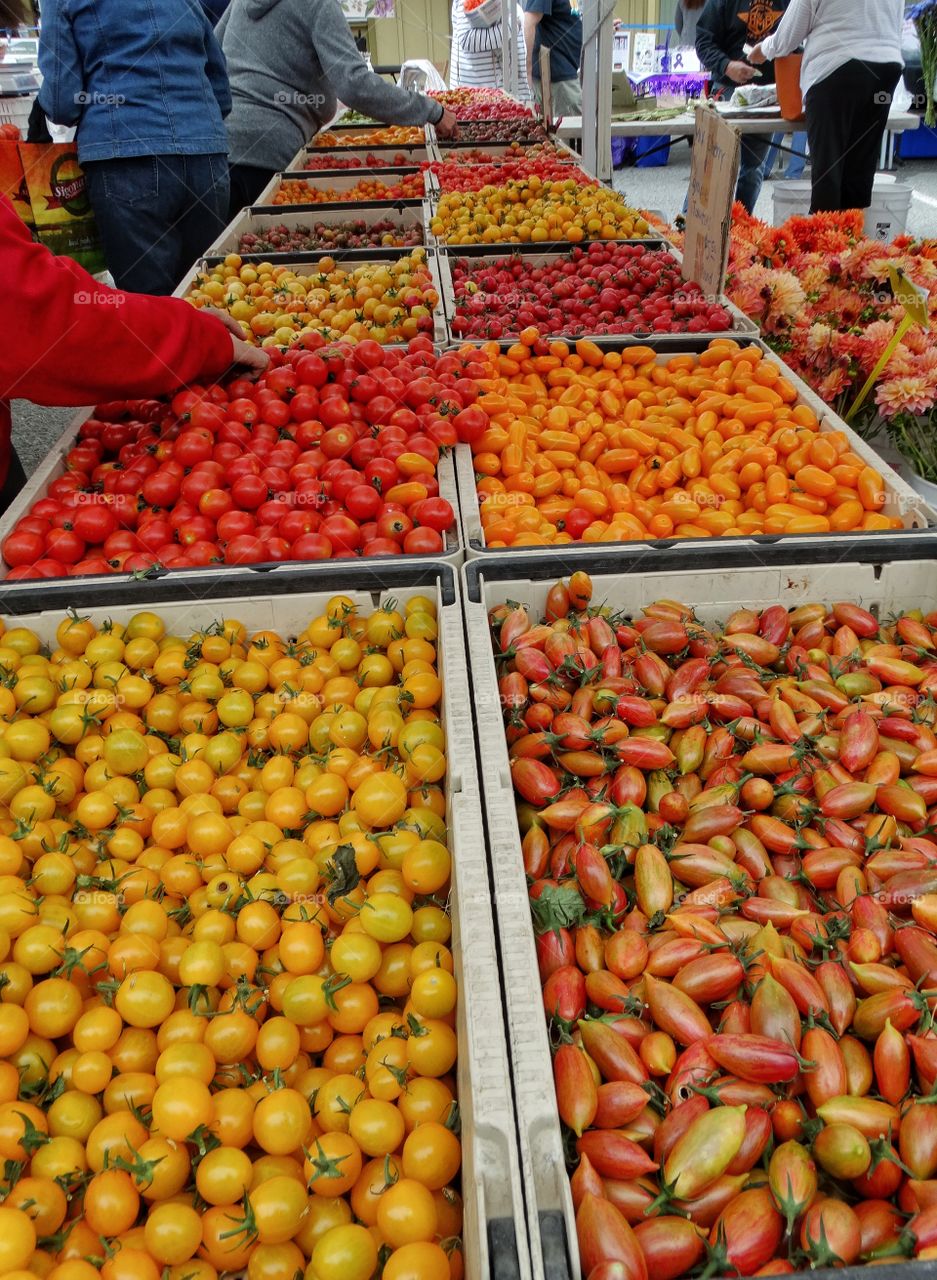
{"type": "Point", "coordinates": [697, 556]}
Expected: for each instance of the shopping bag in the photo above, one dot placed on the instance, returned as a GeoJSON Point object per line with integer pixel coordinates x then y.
{"type": "Point", "coordinates": [49, 191]}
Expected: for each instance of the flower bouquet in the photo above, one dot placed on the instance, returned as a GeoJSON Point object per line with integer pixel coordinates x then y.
{"type": "Point", "coordinates": [820, 292]}
{"type": "Point", "coordinates": [924, 16]}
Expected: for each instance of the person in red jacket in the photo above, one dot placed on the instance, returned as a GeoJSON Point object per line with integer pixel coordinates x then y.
{"type": "Point", "coordinates": [73, 341]}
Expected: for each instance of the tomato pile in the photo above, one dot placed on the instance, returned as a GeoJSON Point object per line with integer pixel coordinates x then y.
{"type": "Point", "coordinates": [456, 174]}
{"type": "Point", "coordinates": [481, 104]}
{"type": "Point", "coordinates": [607, 446]}
{"type": "Point", "coordinates": [728, 836]}
{"type": "Point", "coordinates": [391, 135]}
{"type": "Point", "coordinates": [513, 151]}
{"type": "Point", "coordinates": [520, 129]}
{"type": "Point", "coordinates": [410, 186]}
{"type": "Point", "coordinates": [335, 160]}
{"type": "Point", "coordinates": [339, 235]}
{"type": "Point", "coordinates": [227, 1031]}
{"type": "Point", "coordinates": [387, 301]}
{"type": "Point", "coordinates": [333, 452]}
{"type": "Point", "coordinates": [536, 211]}
{"type": "Point", "coordinates": [623, 289]}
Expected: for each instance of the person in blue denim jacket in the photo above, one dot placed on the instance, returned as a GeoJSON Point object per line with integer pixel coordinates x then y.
{"type": "Point", "coordinates": [145, 84]}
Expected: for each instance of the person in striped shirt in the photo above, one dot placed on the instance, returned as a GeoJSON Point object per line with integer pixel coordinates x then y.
{"type": "Point", "coordinates": [476, 61]}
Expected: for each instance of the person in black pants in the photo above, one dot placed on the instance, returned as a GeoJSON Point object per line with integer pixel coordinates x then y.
{"type": "Point", "coordinates": [247, 182]}
{"type": "Point", "coordinates": [851, 65]}
{"type": "Point", "coordinates": [846, 117]}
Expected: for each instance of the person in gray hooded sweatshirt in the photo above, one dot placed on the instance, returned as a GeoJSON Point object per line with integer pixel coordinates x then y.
{"type": "Point", "coordinates": [288, 62]}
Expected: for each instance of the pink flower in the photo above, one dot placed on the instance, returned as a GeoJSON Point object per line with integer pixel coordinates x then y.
{"type": "Point", "coordinates": [879, 333]}
{"type": "Point", "coordinates": [819, 342]}
{"type": "Point", "coordinates": [748, 299]}
{"type": "Point", "coordinates": [905, 394]}
{"type": "Point", "coordinates": [917, 340]}
{"type": "Point", "coordinates": [787, 299]}
{"type": "Point", "coordinates": [814, 279]}
{"type": "Point", "coordinates": [833, 385]}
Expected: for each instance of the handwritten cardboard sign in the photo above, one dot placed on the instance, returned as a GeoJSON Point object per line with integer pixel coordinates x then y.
{"type": "Point", "coordinates": [713, 175]}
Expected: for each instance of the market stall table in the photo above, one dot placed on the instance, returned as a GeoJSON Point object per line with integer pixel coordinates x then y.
{"type": "Point", "coordinates": [756, 122]}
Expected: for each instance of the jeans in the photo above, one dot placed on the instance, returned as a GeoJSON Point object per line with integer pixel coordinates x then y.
{"type": "Point", "coordinates": [157, 215]}
{"type": "Point", "coordinates": [565, 97]}
{"type": "Point", "coordinates": [247, 182]}
{"type": "Point", "coordinates": [751, 171]}
{"type": "Point", "coordinates": [795, 164]}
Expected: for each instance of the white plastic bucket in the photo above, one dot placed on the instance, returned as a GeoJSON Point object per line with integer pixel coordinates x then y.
{"type": "Point", "coordinates": [791, 199]}
{"type": "Point", "coordinates": [885, 218]}
{"type": "Point", "coordinates": [926, 488]}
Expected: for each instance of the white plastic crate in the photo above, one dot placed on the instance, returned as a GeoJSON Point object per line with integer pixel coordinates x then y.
{"type": "Point", "coordinates": [494, 1229]}
{"type": "Point", "coordinates": [53, 466]}
{"type": "Point", "coordinates": [900, 498]}
{"type": "Point", "coordinates": [355, 258]}
{"type": "Point", "coordinates": [742, 326]}
{"type": "Point", "coordinates": [250, 221]}
{"type": "Point", "coordinates": [341, 182]}
{"type": "Point", "coordinates": [884, 586]}
{"type": "Point", "coordinates": [15, 110]}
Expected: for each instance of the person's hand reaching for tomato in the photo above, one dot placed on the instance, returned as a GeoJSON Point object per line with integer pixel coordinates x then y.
{"type": "Point", "coordinates": [255, 359]}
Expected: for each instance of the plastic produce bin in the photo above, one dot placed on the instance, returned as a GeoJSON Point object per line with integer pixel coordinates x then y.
{"type": "Point", "coordinates": [495, 1238]}
{"type": "Point", "coordinates": [53, 466]}
{"type": "Point", "coordinates": [536, 257]}
{"type": "Point", "coordinates": [901, 499]}
{"type": "Point", "coordinates": [345, 180]}
{"type": "Point", "coordinates": [885, 577]}
{"type": "Point", "coordinates": [257, 221]}
{"type": "Point", "coordinates": [307, 264]}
